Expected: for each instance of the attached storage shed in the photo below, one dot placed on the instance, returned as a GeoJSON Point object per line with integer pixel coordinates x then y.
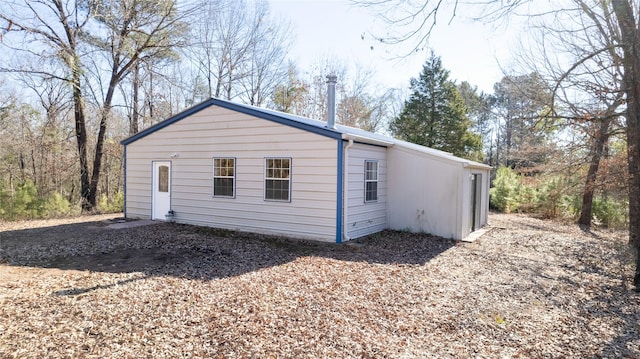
{"type": "Point", "coordinates": [239, 167]}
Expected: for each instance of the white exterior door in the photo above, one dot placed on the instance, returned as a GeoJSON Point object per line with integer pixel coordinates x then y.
{"type": "Point", "coordinates": [161, 190]}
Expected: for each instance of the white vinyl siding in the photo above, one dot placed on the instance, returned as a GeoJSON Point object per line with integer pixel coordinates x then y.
{"type": "Point", "coordinates": [218, 132]}
{"type": "Point", "coordinates": [365, 217]}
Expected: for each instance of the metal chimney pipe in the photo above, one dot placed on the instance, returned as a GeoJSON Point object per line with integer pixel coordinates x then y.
{"type": "Point", "coordinates": [331, 101]}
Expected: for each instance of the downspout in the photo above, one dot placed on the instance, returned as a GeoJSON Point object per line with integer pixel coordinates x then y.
{"type": "Point", "coordinates": [345, 196]}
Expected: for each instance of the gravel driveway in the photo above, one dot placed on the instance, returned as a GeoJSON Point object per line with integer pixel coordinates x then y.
{"type": "Point", "coordinates": [528, 288]}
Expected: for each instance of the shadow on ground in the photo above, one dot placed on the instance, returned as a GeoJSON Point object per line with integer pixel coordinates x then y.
{"type": "Point", "coordinates": [168, 249]}
{"type": "Point", "coordinates": [570, 285]}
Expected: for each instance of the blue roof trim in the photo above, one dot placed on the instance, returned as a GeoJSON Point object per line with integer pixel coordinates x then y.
{"type": "Point", "coordinates": [273, 116]}
{"type": "Point", "coordinates": [279, 117]}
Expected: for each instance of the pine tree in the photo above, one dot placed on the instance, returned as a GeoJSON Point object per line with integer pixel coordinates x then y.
{"type": "Point", "coordinates": [435, 114]}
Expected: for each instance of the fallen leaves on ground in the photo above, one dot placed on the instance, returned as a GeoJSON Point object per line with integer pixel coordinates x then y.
{"type": "Point", "coordinates": [528, 288]}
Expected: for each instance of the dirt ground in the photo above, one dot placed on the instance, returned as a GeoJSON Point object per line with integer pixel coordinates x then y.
{"type": "Point", "coordinates": [93, 287]}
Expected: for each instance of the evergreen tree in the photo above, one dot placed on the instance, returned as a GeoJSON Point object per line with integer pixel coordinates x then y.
{"type": "Point", "coordinates": [435, 114]}
{"type": "Point", "coordinates": [522, 108]}
{"type": "Point", "coordinates": [480, 106]}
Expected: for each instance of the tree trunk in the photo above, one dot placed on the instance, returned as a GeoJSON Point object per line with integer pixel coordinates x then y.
{"type": "Point", "coordinates": [72, 60]}
{"type": "Point", "coordinates": [630, 35]}
{"type": "Point", "coordinates": [219, 80]}
{"type": "Point", "coordinates": [36, 180]}
{"type": "Point", "coordinates": [97, 160]}
{"type": "Point", "coordinates": [432, 113]}
{"type": "Point", "coordinates": [133, 128]}
{"type": "Point", "coordinates": [508, 139]}
{"type": "Point", "coordinates": [104, 116]}
{"type": "Point", "coordinates": [229, 81]}
{"type": "Point", "coordinates": [81, 141]}
{"type": "Point", "coordinates": [601, 138]}
{"type": "Point", "coordinates": [150, 95]}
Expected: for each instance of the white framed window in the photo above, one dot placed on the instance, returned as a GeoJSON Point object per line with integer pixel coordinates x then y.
{"type": "Point", "coordinates": [224, 177]}
{"type": "Point", "coordinates": [370, 181]}
{"type": "Point", "coordinates": [277, 179]}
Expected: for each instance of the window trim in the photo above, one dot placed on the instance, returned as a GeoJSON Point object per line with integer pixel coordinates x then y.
{"type": "Point", "coordinates": [265, 178]}
{"type": "Point", "coordinates": [213, 177]}
{"type": "Point", "coordinates": [376, 181]}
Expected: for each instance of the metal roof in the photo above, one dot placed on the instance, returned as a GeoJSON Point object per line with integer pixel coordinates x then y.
{"type": "Point", "coordinates": [307, 124]}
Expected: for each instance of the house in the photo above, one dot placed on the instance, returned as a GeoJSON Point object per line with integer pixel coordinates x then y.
{"type": "Point", "coordinates": [238, 167]}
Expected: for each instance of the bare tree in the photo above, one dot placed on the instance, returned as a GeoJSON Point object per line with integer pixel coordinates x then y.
{"type": "Point", "coordinates": [239, 49]}
{"type": "Point", "coordinates": [587, 92]}
{"type": "Point", "coordinates": [135, 30]}
{"type": "Point", "coordinates": [61, 36]}
{"type": "Point", "coordinates": [627, 14]}
{"type": "Point", "coordinates": [54, 154]}
{"type": "Point", "coordinates": [315, 79]}
{"type": "Point", "coordinates": [49, 33]}
{"type": "Point", "coordinates": [522, 108]}
{"type": "Point", "coordinates": [288, 96]}
{"type": "Point", "coordinates": [220, 41]}
{"type": "Point", "coordinates": [358, 103]}
{"type": "Point", "coordinates": [140, 89]}
{"type": "Point", "coordinates": [361, 106]}
{"type": "Point", "coordinates": [265, 65]}
{"type": "Point", "coordinates": [36, 154]}
{"type": "Point", "coordinates": [411, 23]}
{"type": "Point", "coordinates": [618, 19]}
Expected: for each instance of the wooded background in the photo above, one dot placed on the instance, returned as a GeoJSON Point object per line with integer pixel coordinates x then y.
{"type": "Point", "coordinates": [79, 76]}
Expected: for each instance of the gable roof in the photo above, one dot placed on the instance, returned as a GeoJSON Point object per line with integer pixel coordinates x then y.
{"type": "Point", "coordinates": [302, 123]}
{"type": "Point", "coordinates": [307, 124]}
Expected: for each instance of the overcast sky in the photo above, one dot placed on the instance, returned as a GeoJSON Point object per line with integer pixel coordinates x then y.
{"type": "Point", "coordinates": [472, 51]}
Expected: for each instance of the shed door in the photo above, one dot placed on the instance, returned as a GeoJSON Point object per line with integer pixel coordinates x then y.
{"type": "Point", "coordinates": [161, 190]}
{"type": "Point", "coordinates": [476, 192]}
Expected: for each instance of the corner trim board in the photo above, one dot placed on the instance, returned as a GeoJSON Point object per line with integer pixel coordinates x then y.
{"type": "Point", "coordinates": [339, 194]}
{"type": "Point", "coordinates": [124, 187]}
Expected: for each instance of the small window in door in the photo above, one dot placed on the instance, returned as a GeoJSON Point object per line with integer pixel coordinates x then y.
{"type": "Point", "coordinates": [163, 179]}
